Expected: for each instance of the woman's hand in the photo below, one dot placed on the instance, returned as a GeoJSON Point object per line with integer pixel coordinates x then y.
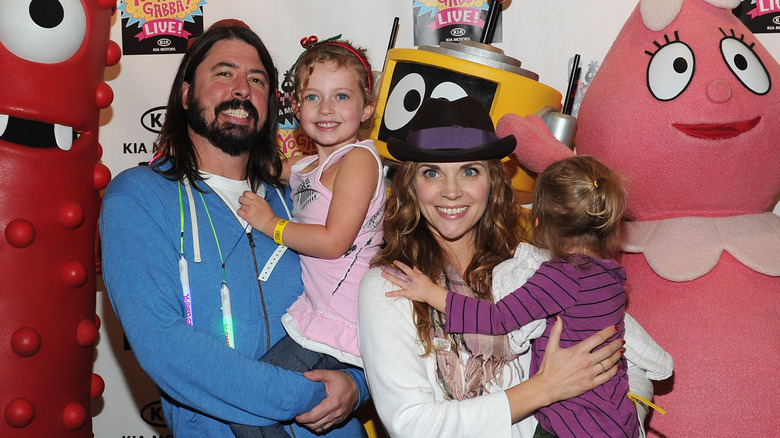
{"type": "Point", "coordinates": [575, 370]}
{"type": "Point", "coordinates": [415, 285]}
{"type": "Point", "coordinates": [567, 372]}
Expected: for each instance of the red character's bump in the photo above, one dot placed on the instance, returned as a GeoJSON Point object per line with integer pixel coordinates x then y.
{"type": "Point", "coordinates": [97, 386]}
{"type": "Point", "coordinates": [26, 342]}
{"type": "Point", "coordinates": [74, 416]}
{"type": "Point", "coordinates": [86, 333]}
{"type": "Point", "coordinates": [74, 274]}
{"type": "Point", "coordinates": [102, 176]}
{"type": "Point", "coordinates": [104, 95]}
{"type": "Point", "coordinates": [113, 53]}
{"type": "Point", "coordinates": [20, 233]}
{"type": "Point", "coordinates": [19, 412]}
{"type": "Point", "coordinates": [71, 215]}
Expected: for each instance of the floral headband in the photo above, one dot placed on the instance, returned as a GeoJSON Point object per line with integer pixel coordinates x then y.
{"type": "Point", "coordinates": [312, 41]}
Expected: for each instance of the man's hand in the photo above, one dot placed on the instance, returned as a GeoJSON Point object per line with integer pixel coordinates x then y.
{"type": "Point", "coordinates": [341, 400]}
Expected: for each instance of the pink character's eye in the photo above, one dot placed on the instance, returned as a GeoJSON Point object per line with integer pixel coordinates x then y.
{"type": "Point", "coordinates": [45, 31]}
{"type": "Point", "coordinates": [670, 69]}
{"type": "Point", "coordinates": [745, 64]}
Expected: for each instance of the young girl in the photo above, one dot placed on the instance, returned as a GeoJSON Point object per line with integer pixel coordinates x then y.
{"type": "Point", "coordinates": [577, 208]}
{"type": "Point", "coordinates": [338, 206]}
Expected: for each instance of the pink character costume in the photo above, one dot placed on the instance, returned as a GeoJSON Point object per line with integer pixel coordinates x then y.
{"type": "Point", "coordinates": [685, 106]}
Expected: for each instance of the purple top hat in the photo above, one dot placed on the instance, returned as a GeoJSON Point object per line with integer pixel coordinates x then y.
{"type": "Point", "coordinates": [451, 131]}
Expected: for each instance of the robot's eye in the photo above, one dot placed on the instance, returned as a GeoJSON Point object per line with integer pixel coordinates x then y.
{"type": "Point", "coordinates": [670, 70]}
{"type": "Point", "coordinates": [411, 83]}
{"type": "Point", "coordinates": [45, 31]}
{"type": "Point", "coordinates": [408, 94]}
{"type": "Point", "coordinates": [449, 91]}
{"type": "Point", "coordinates": [745, 65]}
{"type": "Point", "coordinates": [404, 101]}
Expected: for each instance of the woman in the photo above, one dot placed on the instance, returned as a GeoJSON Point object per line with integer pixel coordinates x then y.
{"type": "Point", "coordinates": [451, 213]}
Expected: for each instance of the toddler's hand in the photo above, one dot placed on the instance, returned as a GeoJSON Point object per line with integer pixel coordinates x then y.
{"type": "Point", "coordinates": [414, 285]}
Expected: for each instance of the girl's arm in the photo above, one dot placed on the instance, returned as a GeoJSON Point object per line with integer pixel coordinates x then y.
{"type": "Point", "coordinates": [353, 189]}
{"type": "Point", "coordinates": [546, 293]}
{"type": "Point", "coordinates": [473, 315]}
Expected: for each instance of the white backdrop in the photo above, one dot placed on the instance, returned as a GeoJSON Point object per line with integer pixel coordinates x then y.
{"type": "Point", "coordinates": [542, 34]}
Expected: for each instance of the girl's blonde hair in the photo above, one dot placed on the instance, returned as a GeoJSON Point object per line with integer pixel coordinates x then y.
{"type": "Point", "coordinates": [578, 204]}
{"type": "Point", "coordinates": [344, 55]}
{"type": "Point", "coordinates": [409, 239]}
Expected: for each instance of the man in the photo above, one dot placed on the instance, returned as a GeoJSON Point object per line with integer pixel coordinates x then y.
{"type": "Point", "coordinates": [199, 294]}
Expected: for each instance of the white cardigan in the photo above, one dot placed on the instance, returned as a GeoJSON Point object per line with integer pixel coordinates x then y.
{"type": "Point", "coordinates": [403, 383]}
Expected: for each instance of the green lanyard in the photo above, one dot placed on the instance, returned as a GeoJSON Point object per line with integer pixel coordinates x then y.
{"type": "Point", "coordinates": [224, 292]}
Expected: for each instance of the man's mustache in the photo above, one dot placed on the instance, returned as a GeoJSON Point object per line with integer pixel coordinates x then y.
{"type": "Point", "coordinates": [238, 104]}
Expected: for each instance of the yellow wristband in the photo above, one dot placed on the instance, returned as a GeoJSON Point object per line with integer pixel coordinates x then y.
{"type": "Point", "coordinates": [279, 230]}
{"type": "Point", "coordinates": [637, 399]}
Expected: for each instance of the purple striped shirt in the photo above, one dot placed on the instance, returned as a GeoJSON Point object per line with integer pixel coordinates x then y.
{"type": "Point", "coordinates": [588, 298]}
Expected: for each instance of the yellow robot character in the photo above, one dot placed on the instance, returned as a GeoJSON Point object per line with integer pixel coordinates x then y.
{"type": "Point", "coordinates": [452, 71]}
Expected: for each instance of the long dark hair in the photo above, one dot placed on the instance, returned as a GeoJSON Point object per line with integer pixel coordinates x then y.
{"type": "Point", "coordinates": [174, 145]}
{"type": "Point", "coordinates": [408, 238]}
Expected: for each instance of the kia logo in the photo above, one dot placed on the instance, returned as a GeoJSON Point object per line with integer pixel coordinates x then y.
{"type": "Point", "coordinates": [458, 31]}
{"type": "Point", "coordinates": [164, 42]}
{"type": "Point", "coordinates": [152, 414]}
{"type": "Point", "coordinates": [776, 19]}
{"type": "Point", "coordinates": [153, 119]}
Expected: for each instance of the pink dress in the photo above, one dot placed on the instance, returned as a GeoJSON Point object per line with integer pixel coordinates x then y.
{"type": "Point", "coordinates": [324, 317]}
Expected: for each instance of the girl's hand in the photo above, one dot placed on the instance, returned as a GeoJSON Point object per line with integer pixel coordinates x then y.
{"type": "Point", "coordinates": [415, 285]}
{"type": "Point", "coordinates": [256, 211]}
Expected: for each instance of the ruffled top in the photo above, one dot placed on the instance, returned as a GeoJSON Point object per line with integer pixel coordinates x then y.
{"type": "Point", "coordinates": [686, 248]}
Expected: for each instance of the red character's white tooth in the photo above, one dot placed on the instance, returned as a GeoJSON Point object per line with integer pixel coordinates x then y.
{"type": "Point", "coordinates": [3, 123]}
{"type": "Point", "coordinates": [63, 136]}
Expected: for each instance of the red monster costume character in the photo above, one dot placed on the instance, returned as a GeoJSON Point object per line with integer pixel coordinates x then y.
{"type": "Point", "coordinates": [53, 54]}
{"type": "Point", "coordinates": [686, 106]}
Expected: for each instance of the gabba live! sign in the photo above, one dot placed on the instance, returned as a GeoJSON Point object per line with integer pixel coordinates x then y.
{"type": "Point", "coordinates": [436, 21]}
{"type": "Point", "coordinates": [159, 26]}
{"type": "Point", "coordinates": [454, 12]}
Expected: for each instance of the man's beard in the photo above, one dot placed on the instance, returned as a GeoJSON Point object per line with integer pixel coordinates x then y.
{"type": "Point", "coordinates": [230, 138]}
